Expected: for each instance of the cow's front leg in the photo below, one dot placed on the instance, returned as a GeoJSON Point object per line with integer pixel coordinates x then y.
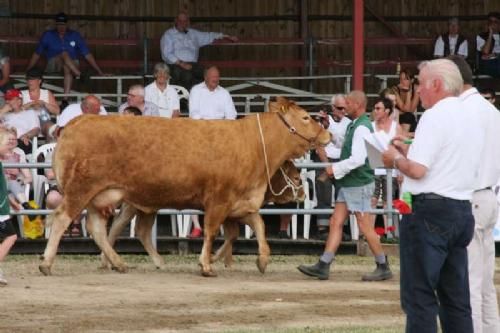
{"type": "Point", "coordinates": [257, 224]}
{"type": "Point", "coordinates": [231, 230]}
{"type": "Point", "coordinates": [143, 227]}
{"type": "Point", "coordinates": [213, 220]}
{"type": "Point", "coordinates": [96, 225]}
{"type": "Point", "coordinates": [59, 221]}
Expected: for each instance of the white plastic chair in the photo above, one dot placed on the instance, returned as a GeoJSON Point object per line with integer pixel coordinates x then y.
{"type": "Point", "coordinates": [40, 184]}
{"type": "Point", "coordinates": [181, 91]}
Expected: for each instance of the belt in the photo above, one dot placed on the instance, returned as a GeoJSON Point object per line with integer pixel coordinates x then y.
{"type": "Point", "coordinates": [428, 196]}
{"type": "Point", "coordinates": [484, 189]}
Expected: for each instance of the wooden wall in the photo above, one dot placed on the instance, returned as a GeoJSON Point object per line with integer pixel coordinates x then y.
{"type": "Point", "coordinates": [163, 11]}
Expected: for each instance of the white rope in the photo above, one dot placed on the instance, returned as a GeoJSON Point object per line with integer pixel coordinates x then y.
{"type": "Point", "coordinates": [289, 183]}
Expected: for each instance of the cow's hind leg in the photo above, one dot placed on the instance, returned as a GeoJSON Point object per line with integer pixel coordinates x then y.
{"type": "Point", "coordinates": [143, 227]}
{"type": "Point", "coordinates": [231, 230]}
{"type": "Point", "coordinates": [96, 225]}
{"type": "Point", "coordinates": [59, 221]}
{"type": "Point", "coordinates": [256, 223]}
{"type": "Point", "coordinates": [120, 221]}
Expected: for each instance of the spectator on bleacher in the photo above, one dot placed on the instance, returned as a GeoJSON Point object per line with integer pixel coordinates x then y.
{"type": "Point", "coordinates": [135, 97]}
{"type": "Point", "coordinates": [481, 250]}
{"type": "Point", "coordinates": [89, 105]}
{"type": "Point", "coordinates": [451, 42]}
{"type": "Point", "coordinates": [488, 46]}
{"type": "Point", "coordinates": [407, 100]}
{"type": "Point", "coordinates": [40, 100]}
{"type": "Point", "coordinates": [162, 94]}
{"type": "Point", "coordinates": [5, 83]}
{"type": "Point", "coordinates": [62, 47]}
{"type": "Point", "coordinates": [208, 100]}
{"type": "Point", "coordinates": [389, 93]}
{"type": "Point", "coordinates": [179, 48]}
{"type": "Point", "coordinates": [356, 182]}
{"type": "Point", "coordinates": [382, 121]}
{"type": "Point", "coordinates": [489, 95]}
{"type": "Point", "coordinates": [25, 122]}
{"type": "Point", "coordinates": [336, 122]}
{"type": "Point", "coordinates": [7, 232]}
{"type": "Point", "coordinates": [17, 178]}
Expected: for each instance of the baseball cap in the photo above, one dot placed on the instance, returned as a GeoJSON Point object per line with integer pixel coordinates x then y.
{"type": "Point", "coordinates": [11, 94]}
{"type": "Point", "coordinates": [34, 73]}
{"type": "Point", "coordinates": [61, 18]}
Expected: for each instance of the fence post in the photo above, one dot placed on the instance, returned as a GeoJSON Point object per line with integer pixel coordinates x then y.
{"type": "Point", "coordinates": [145, 45]}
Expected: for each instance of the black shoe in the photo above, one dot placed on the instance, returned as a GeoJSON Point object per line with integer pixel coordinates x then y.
{"type": "Point", "coordinates": [283, 235]}
{"type": "Point", "coordinates": [381, 272]}
{"type": "Point", "coordinates": [320, 270]}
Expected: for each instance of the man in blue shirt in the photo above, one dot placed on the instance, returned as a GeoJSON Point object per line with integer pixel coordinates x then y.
{"type": "Point", "coordinates": [62, 47]}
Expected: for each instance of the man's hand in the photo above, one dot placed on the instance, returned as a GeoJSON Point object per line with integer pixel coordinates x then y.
{"type": "Point", "coordinates": [390, 155]}
{"type": "Point", "coordinates": [14, 203]}
{"type": "Point", "coordinates": [399, 143]}
{"type": "Point", "coordinates": [329, 171]}
{"type": "Point", "coordinates": [25, 139]}
{"type": "Point", "coordinates": [185, 65]}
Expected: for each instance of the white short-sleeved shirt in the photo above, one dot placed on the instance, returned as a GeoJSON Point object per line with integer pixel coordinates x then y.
{"type": "Point", "coordinates": [463, 48]}
{"type": "Point", "coordinates": [72, 111]}
{"type": "Point", "coordinates": [488, 115]}
{"type": "Point", "coordinates": [338, 130]}
{"type": "Point", "coordinates": [167, 100]}
{"type": "Point", "coordinates": [448, 142]}
{"type": "Point", "coordinates": [206, 104]}
{"type": "Point", "coordinates": [22, 121]}
{"type": "Point", "coordinates": [480, 43]}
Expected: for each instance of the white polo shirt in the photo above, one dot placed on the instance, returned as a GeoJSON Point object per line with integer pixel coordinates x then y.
{"type": "Point", "coordinates": [167, 100]}
{"type": "Point", "coordinates": [488, 115]}
{"type": "Point", "coordinates": [448, 141]}
{"type": "Point", "coordinates": [338, 130]}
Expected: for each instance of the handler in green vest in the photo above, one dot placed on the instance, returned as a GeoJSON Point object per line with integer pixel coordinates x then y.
{"type": "Point", "coordinates": [8, 234]}
{"type": "Point", "coordinates": [356, 181]}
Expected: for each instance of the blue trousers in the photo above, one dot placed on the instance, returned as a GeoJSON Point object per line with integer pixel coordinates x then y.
{"type": "Point", "coordinates": [434, 266]}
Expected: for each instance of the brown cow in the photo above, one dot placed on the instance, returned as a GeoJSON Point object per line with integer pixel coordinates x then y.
{"type": "Point", "coordinates": [220, 166]}
{"type": "Point", "coordinates": [285, 183]}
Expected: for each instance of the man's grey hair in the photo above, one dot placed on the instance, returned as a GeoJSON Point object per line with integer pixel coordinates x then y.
{"type": "Point", "coordinates": [447, 72]}
{"type": "Point", "coordinates": [335, 97]}
{"type": "Point", "coordinates": [161, 67]}
{"type": "Point", "coordinates": [137, 89]}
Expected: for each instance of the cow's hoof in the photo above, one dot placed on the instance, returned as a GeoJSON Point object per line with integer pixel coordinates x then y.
{"type": "Point", "coordinates": [262, 263]}
{"type": "Point", "coordinates": [207, 272]}
{"type": "Point", "coordinates": [45, 269]}
{"type": "Point", "coordinates": [104, 266]}
{"type": "Point", "coordinates": [120, 269]}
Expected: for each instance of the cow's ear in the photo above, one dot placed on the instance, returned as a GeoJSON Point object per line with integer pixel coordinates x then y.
{"type": "Point", "coordinates": [278, 107]}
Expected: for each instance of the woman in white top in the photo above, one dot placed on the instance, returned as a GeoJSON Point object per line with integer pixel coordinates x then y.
{"type": "Point", "coordinates": [40, 100]}
{"type": "Point", "coordinates": [162, 94]}
{"type": "Point", "coordinates": [383, 121]}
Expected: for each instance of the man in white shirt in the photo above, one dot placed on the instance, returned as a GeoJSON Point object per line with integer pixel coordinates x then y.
{"type": "Point", "coordinates": [180, 46]}
{"type": "Point", "coordinates": [356, 181]}
{"type": "Point", "coordinates": [89, 105]}
{"type": "Point", "coordinates": [163, 95]}
{"type": "Point", "coordinates": [488, 46]}
{"type": "Point", "coordinates": [440, 172]}
{"type": "Point", "coordinates": [451, 42]}
{"type": "Point", "coordinates": [337, 124]}
{"type": "Point", "coordinates": [208, 100]}
{"type": "Point", "coordinates": [481, 250]}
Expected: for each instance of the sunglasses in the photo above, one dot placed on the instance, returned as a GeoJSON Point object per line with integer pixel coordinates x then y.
{"type": "Point", "coordinates": [338, 108]}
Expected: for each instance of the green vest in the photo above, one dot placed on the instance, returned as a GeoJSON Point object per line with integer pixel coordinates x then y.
{"type": "Point", "coordinates": [4, 199]}
{"type": "Point", "coordinates": [362, 175]}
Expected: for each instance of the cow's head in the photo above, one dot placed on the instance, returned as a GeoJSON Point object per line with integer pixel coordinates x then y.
{"type": "Point", "coordinates": [286, 185]}
{"type": "Point", "coordinates": [300, 124]}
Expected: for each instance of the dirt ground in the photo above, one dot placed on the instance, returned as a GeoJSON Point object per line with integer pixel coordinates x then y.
{"type": "Point", "coordinates": [79, 297]}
